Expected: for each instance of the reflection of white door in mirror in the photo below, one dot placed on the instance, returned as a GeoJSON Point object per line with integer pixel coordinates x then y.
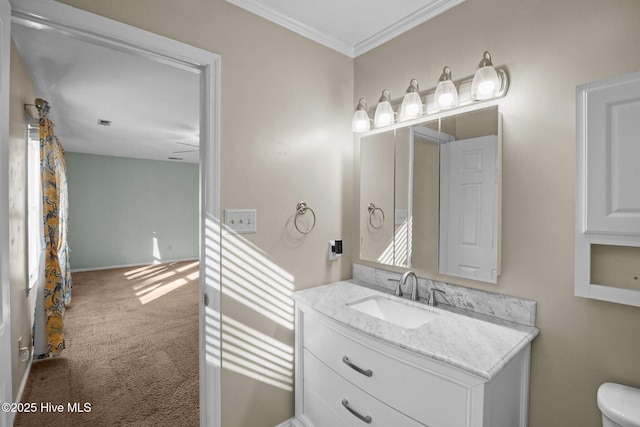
{"type": "Point", "coordinates": [468, 192]}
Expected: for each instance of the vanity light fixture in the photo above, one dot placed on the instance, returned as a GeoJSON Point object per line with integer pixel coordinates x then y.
{"type": "Point", "coordinates": [361, 121]}
{"type": "Point", "coordinates": [488, 83]}
{"type": "Point", "coordinates": [446, 93]}
{"type": "Point", "coordinates": [485, 81]}
{"type": "Point", "coordinates": [411, 107]}
{"type": "Point", "coordinates": [384, 115]}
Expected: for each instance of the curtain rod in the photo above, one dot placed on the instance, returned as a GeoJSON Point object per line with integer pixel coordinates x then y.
{"type": "Point", "coordinates": [39, 104]}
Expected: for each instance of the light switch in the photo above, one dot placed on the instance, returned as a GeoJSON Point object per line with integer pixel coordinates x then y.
{"type": "Point", "coordinates": [240, 220]}
{"type": "Point", "coordinates": [401, 216]}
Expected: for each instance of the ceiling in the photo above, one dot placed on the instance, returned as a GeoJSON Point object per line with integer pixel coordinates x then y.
{"type": "Point", "coordinates": [351, 27]}
{"type": "Point", "coordinates": [153, 107]}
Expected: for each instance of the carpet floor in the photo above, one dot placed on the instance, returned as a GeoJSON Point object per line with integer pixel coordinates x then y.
{"type": "Point", "coordinates": [131, 354]}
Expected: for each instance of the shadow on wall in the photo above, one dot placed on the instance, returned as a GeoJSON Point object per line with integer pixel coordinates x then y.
{"type": "Point", "coordinates": [397, 252]}
{"type": "Point", "coordinates": [254, 281]}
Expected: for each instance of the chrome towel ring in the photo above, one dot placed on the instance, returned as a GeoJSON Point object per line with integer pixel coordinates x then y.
{"type": "Point", "coordinates": [372, 211]}
{"type": "Point", "coordinates": [301, 209]}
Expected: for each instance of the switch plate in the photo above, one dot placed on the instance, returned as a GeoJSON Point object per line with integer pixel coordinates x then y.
{"type": "Point", "coordinates": [401, 216]}
{"type": "Point", "coordinates": [240, 221]}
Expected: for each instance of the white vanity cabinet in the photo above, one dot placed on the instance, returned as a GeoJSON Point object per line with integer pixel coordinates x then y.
{"type": "Point", "coordinates": [345, 377]}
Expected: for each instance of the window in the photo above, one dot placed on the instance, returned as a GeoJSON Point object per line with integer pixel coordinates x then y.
{"type": "Point", "coordinates": [35, 242]}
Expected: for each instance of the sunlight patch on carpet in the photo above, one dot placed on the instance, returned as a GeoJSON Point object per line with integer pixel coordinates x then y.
{"type": "Point", "coordinates": [153, 282]}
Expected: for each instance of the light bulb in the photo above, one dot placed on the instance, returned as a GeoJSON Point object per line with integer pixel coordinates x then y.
{"type": "Point", "coordinates": [411, 107]}
{"type": "Point", "coordinates": [485, 80]}
{"type": "Point", "coordinates": [446, 95]}
{"type": "Point", "coordinates": [361, 121]}
{"type": "Point", "coordinates": [384, 115]}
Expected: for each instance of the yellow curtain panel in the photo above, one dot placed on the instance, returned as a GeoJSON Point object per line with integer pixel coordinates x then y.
{"type": "Point", "coordinates": [57, 276]}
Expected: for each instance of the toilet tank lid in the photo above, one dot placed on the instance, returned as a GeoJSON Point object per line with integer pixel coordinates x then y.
{"type": "Point", "coordinates": [620, 403]}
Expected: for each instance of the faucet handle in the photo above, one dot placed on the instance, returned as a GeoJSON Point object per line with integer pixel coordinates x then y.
{"type": "Point", "coordinates": [432, 298]}
{"type": "Point", "coordinates": [398, 291]}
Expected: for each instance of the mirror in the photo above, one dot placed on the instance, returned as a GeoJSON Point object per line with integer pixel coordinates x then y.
{"type": "Point", "coordinates": [377, 198]}
{"type": "Point", "coordinates": [430, 196]}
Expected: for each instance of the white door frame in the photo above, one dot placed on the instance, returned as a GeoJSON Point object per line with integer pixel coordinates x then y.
{"type": "Point", "coordinates": [6, 387]}
{"type": "Point", "coordinates": [52, 16]}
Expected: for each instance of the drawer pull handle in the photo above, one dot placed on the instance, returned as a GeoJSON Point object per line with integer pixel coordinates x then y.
{"type": "Point", "coordinates": [367, 372]}
{"type": "Point", "coordinates": [366, 418]}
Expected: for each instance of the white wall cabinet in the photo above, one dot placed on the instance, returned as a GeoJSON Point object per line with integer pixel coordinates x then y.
{"type": "Point", "coordinates": [608, 177]}
{"type": "Point", "coordinates": [347, 378]}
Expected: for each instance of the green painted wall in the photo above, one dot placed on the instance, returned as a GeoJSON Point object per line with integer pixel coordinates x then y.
{"type": "Point", "coordinates": [126, 211]}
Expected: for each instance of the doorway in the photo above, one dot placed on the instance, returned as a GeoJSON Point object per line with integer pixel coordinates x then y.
{"type": "Point", "coordinates": [61, 19]}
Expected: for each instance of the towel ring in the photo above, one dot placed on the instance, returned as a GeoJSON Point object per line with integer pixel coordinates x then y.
{"type": "Point", "coordinates": [372, 210]}
{"type": "Point", "coordinates": [301, 209]}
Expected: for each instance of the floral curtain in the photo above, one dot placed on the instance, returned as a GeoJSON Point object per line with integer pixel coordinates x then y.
{"type": "Point", "coordinates": [57, 276]}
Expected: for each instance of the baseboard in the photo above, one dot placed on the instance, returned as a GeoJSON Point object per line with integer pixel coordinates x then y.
{"type": "Point", "coordinates": [23, 384]}
{"type": "Point", "coordinates": [25, 377]}
{"type": "Point", "coordinates": [140, 264]}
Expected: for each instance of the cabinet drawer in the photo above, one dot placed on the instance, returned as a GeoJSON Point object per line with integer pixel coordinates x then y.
{"type": "Point", "coordinates": [318, 412]}
{"type": "Point", "coordinates": [425, 396]}
{"type": "Point", "coordinates": [337, 395]}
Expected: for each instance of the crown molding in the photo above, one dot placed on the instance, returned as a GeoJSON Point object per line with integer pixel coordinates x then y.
{"type": "Point", "coordinates": [394, 30]}
{"type": "Point", "coordinates": [276, 16]}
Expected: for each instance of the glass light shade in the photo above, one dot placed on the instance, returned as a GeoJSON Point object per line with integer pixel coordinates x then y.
{"type": "Point", "coordinates": [360, 121]}
{"type": "Point", "coordinates": [384, 115]}
{"type": "Point", "coordinates": [411, 107]}
{"type": "Point", "coordinates": [446, 95]}
{"type": "Point", "coordinates": [485, 83]}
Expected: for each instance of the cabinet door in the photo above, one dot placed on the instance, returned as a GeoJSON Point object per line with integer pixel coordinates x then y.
{"type": "Point", "coordinates": [612, 137]}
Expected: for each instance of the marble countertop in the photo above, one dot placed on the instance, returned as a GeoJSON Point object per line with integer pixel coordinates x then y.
{"type": "Point", "coordinates": [477, 344]}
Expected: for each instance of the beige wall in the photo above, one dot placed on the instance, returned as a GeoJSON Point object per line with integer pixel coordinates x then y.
{"type": "Point", "coordinates": [286, 137]}
{"type": "Point", "coordinates": [22, 92]}
{"type": "Point", "coordinates": [548, 47]}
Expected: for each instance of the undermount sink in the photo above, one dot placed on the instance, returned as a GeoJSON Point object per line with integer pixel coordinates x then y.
{"type": "Point", "coordinates": [394, 311]}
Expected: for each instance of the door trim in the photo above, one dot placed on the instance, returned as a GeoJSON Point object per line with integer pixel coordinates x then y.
{"type": "Point", "coordinates": [6, 380]}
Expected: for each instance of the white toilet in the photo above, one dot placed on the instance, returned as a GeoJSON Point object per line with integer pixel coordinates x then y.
{"type": "Point", "coordinates": [620, 405]}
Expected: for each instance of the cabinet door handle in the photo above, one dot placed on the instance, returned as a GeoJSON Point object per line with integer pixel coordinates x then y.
{"type": "Point", "coordinates": [367, 372]}
{"type": "Point", "coordinates": [366, 418]}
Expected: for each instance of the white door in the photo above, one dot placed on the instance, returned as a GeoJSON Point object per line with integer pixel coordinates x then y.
{"type": "Point", "coordinates": [468, 221]}
{"type": "Point", "coordinates": [5, 286]}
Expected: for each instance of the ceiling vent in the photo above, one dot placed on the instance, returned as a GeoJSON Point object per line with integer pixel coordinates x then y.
{"type": "Point", "coordinates": [102, 122]}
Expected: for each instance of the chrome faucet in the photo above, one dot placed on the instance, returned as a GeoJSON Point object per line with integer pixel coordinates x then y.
{"type": "Point", "coordinates": [403, 281]}
{"type": "Point", "coordinates": [432, 298]}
